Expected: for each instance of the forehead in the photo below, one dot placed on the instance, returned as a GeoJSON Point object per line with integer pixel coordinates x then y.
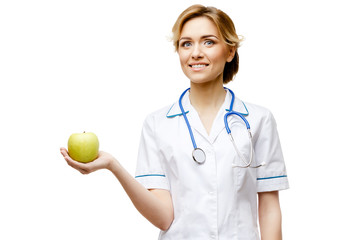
{"type": "Point", "coordinates": [199, 26]}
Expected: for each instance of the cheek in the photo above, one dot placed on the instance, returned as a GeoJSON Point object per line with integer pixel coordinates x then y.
{"type": "Point", "coordinates": [183, 58]}
{"type": "Point", "coordinates": [183, 62]}
{"type": "Point", "coordinates": [219, 56]}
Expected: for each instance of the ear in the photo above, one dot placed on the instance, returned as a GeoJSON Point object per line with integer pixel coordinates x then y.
{"type": "Point", "coordinates": [232, 51]}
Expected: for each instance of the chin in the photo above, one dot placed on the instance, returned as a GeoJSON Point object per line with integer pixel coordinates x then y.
{"type": "Point", "coordinates": [199, 81]}
{"type": "Point", "coordinates": [204, 80]}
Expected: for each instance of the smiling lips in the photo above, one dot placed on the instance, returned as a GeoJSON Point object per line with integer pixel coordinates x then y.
{"type": "Point", "coordinates": [198, 66]}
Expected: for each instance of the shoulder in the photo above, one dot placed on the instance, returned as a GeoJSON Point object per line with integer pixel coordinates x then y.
{"type": "Point", "coordinates": [256, 110]}
{"type": "Point", "coordinates": [251, 110]}
{"type": "Point", "coordinates": [157, 116]}
{"type": "Point", "coordinates": [259, 116]}
{"type": "Point", "coordinates": [262, 122]}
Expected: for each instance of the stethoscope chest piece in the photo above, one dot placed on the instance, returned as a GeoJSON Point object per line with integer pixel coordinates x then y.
{"type": "Point", "coordinates": [199, 155]}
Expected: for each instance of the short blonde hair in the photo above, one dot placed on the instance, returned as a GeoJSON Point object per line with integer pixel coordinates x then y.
{"type": "Point", "coordinates": [225, 27]}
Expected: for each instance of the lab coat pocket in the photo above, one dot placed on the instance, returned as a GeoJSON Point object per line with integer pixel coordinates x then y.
{"type": "Point", "coordinates": [242, 153]}
{"type": "Point", "coordinates": [239, 174]}
{"type": "Point", "coordinates": [245, 179]}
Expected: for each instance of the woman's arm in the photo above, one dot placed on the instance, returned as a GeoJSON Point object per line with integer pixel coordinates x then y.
{"type": "Point", "coordinates": [270, 216]}
{"type": "Point", "coordinates": [155, 205]}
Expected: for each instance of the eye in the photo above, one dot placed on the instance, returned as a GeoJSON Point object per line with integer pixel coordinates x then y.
{"type": "Point", "coordinates": [186, 44]}
{"type": "Point", "coordinates": [209, 43]}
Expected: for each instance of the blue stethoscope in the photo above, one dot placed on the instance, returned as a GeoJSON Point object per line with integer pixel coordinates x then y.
{"type": "Point", "coordinates": [199, 155]}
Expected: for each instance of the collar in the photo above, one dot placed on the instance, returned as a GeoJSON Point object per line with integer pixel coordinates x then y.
{"type": "Point", "coordinates": [239, 106]}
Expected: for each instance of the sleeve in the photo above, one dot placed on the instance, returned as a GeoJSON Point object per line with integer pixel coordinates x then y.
{"type": "Point", "coordinates": [149, 171]}
{"type": "Point", "coordinates": [272, 176]}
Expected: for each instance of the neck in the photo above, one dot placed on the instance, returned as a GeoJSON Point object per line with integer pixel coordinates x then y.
{"type": "Point", "coordinates": [208, 96]}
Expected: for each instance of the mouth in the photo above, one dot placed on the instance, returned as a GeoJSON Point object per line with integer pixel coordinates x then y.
{"type": "Point", "coordinates": [198, 66]}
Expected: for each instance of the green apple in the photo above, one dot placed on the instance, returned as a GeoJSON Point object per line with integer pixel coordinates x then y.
{"type": "Point", "coordinates": [83, 147]}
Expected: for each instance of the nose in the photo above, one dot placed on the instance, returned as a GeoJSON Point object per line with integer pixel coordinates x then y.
{"type": "Point", "coordinates": [197, 52]}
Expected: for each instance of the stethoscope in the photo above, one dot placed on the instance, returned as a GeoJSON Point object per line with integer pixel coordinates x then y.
{"type": "Point", "coordinates": [199, 155]}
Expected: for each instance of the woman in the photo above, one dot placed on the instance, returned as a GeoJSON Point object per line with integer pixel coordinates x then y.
{"type": "Point", "coordinates": [215, 196]}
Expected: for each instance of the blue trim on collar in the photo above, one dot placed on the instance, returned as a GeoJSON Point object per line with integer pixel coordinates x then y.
{"type": "Point", "coordinates": [244, 114]}
{"type": "Point", "coordinates": [175, 115]}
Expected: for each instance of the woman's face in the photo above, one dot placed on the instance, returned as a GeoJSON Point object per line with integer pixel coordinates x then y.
{"type": "Point", "coordinates": [202, 52]}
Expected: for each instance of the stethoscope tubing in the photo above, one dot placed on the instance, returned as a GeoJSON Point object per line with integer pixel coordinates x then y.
{"type": "Point", "coordinates": [231, 112]}
{"type": "Point", "coordinates": [186, 119]}
{"type": "Point", "coordinates": [198, 151]}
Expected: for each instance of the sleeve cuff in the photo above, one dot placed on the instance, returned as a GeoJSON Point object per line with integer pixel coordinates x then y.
{"type": "Point", "coordinates": [275, 183]}
{"type": "Point", "coordinates": [153, 181]}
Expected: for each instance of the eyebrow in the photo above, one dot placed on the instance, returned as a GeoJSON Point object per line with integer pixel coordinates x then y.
{"type": "Point", "coordinates": [202, 37]}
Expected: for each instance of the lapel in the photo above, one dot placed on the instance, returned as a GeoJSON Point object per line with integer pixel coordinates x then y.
{"type": "Point", "coordinates": [218, 124]}
{"type": "Point", "coordinates": [191, 113]}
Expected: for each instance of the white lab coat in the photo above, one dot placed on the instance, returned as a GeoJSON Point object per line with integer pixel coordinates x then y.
{"type": "Point", "coordinates": [214, 200]}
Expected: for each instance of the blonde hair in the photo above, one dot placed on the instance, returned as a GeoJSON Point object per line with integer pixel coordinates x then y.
{"type": "Point", "coordinates": [225, 27]}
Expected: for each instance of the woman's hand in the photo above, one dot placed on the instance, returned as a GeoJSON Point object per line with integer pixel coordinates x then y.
{"type": "Point", "coordinates": [155, 205]}
{"type": "Point", "coordinates": [104, 161]}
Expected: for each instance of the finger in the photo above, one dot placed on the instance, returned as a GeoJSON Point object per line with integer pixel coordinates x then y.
{"type": "Point", "coordinates": [81, 167]}
{"type": "Point", "coordinates": [84, 168]}
{"type": "Point", "coordinates": [73, 163]}
{"type": "Point", "coordinates": [84, 172]}
{"type": "Point", "coordinates": [68, 159]}
{"type": "Point", "coordinates": [64, 152]}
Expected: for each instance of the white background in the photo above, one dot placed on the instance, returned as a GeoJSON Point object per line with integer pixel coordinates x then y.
{"type": "Point", "coordinates": [102, 66]}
